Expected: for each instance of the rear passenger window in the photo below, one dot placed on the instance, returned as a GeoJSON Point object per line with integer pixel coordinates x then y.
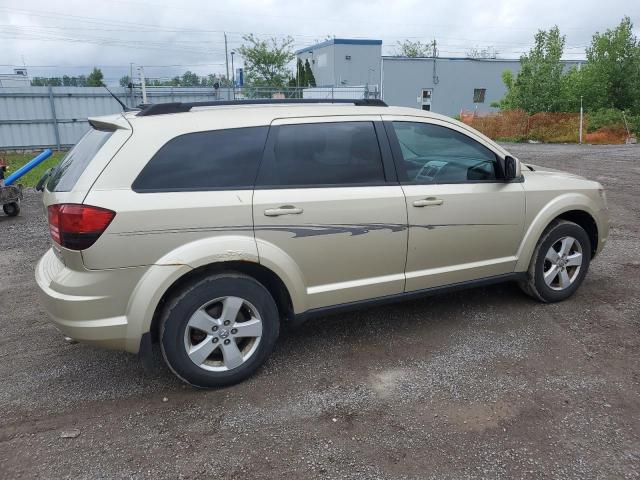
{"type": "Point", "coordinates": [340, 153]}
{"type": "Point", "coordinates": [205, 161]}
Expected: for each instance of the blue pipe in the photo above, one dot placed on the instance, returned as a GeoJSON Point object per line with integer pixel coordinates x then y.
{"type": "Point", "coordinates": [34, 162]}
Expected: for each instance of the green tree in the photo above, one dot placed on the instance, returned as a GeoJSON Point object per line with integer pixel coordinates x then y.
{"type": "Point", "coordinates": [299, 79]}
{"type": "Point", "coordinates": [125, 81]}
{"type": "Point", "coordinates": [266, 61]}
{"type": "Point", "coordinates": [95, 78]}
{"type": "Point", "coordinates": [538, 85]}
{"type": "Point", "coordinates": [189, 79]}
{"type": "Point", "coordinates": [46, 82]}
{"type": "Point", "coordinates": [571, 89]}
{"type": "Point", "coordinates": [309, 78]}
{"type": "Point", "coordinates": [416, 49]}
{"type": "Point", "coordinates": [611, 77]}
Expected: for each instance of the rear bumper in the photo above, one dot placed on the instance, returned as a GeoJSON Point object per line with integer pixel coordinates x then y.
{"type": "Point", "coordinates": [90, 305]}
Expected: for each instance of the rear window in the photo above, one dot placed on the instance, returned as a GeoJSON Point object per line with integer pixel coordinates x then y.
{"type": "Point", "coordinates": [64, 177]}
{"type": "Point", "coordinates": [211, 160]}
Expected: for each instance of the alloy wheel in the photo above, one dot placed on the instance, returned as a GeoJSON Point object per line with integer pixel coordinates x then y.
{"type": "Point", "coordinates": [223, 334]}
{"type": "Point", "coordinates": [562, 263]}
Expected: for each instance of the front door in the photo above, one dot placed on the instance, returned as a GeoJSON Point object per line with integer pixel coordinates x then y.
{"type": "Point", "coordinates": [325, 198]}
{"type": "Point", "coordinates": [465, 222]}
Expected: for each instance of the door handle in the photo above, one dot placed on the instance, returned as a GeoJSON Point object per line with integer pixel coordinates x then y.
{"type": "Point", "coordinates": [428, 202]}
{"type": "Point", "coordinates": [283, 210]}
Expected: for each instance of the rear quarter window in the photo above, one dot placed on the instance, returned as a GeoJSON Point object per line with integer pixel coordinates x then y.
{"type": "Point", "coordinates": [65, 175]}
{"type": "Point", "coordinates": [212, 160]}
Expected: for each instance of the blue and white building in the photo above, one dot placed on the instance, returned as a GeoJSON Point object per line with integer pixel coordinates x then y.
{"type": "Point", "coordinates": [445, 85]}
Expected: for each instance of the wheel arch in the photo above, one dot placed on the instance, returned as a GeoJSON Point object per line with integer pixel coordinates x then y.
{"type": "Point", "coordinates": [573, 207]}
{"type": "Point", "coordinates": [587, 222]}
{"type": "Point", "coordinates": [271, 281]}
{"type": "Point", "coordinates": [237, 253]}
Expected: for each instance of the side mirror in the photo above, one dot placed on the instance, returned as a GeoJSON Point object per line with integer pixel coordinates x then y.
{"type": "Point", "coordinates": [510, 168]}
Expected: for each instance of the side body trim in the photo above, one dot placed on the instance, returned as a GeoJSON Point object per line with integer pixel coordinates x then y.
{"type": "Point", "coordinates": [374, 302]}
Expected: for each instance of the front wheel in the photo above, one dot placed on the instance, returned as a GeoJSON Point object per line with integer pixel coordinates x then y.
{"type": "Point", "coordinates": [559, 262]}
{"type": "Point", "coordinates": [219, 330]}
{"type": "Point", "coordinates": [11, 209]}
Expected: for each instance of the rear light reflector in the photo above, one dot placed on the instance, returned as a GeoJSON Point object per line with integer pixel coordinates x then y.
{"type": "Point", "coordinates": [76, 226]}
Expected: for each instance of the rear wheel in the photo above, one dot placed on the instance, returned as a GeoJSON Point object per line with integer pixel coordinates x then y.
{"type": "Point", "coordinates": [219, 330]}
{"type": "Point", "coordinates": [559, 263]}
{"type": "Point", "coordinates": [11, 209]}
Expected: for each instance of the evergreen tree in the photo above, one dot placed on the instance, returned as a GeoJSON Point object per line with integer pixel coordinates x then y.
{"type": "Point", "coordinates": [95, 78]}
{"type": "Point", "coordinates": [309, 79]}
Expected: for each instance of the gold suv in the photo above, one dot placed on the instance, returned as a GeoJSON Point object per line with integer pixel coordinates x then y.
{"type": "Point", "coordinates": [204, 227]}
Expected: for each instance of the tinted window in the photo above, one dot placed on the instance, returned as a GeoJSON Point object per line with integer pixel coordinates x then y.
{"type": "Point", "coordinates": [432, 153]}
{"type": "Point", "coordinates": [324, 154]}
{"type": "Point", "coordinates": [66, 174]}
{"type": "Point", "coordinates": [205, 160]}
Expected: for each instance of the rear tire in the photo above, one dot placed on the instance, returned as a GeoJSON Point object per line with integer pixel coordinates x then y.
{"type": "Point", "coordinates": [11, 209]}
{"type": "Point", "coordinates": [219, 330]}
{"type": "Point", "coordinates": [559, 262]}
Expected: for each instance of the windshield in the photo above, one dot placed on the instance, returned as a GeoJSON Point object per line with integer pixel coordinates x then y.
{"type": "Point", "coordinates": [66, 174]}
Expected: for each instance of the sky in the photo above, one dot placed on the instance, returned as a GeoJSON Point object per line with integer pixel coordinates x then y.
{"type": "Point", "coordinates": [56, 37]}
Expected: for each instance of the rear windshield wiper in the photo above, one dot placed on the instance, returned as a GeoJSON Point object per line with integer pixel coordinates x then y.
{"type": "Point", "coordinates": [43, 180]}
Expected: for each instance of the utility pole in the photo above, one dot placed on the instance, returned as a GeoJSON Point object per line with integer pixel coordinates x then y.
{"type": "Point", "coordinates": [226, 55]}
{"type": "Point", "coordinates": [434, 53]}
{"type": "Point", "coordinates": [580, 119]}
{"type": "Point", "coordinates": [143, 84]}
{"type": "Point", "coordinates": [233, 73]}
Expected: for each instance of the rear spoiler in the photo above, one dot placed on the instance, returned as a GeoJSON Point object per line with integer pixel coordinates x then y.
{"type": "Point", "coordinates": [110, 123]}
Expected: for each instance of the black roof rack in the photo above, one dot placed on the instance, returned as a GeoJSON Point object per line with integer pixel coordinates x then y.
{"type": "Point", "coordinates": [178, 107]}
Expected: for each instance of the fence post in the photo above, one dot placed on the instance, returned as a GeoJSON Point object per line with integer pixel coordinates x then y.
{"type": "Point", "coordinates": [56, 131]}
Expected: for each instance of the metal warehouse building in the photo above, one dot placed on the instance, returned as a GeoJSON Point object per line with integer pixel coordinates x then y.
{"type": "Point", "coordinates": [445, 85]}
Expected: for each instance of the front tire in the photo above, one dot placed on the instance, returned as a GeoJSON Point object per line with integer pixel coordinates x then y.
{"type": "Point", "coordinates": [218, 330]}
{"type": "Point", "coordinates": [559, 262]}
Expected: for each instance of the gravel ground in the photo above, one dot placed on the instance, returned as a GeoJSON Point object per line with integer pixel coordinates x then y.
{"type": "Point", "coordinates": [479, 384]}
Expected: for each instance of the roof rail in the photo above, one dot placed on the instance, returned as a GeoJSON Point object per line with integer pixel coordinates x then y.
{"type": "Point", "coordinates": [178, 107]}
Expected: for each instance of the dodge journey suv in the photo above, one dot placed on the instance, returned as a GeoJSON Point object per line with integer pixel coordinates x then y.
{"type": "Point", "coordinates": [203, 228]}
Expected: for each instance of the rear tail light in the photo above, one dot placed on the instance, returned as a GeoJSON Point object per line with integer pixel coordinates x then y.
{"type": "Point", "coordinates": [77, 227]}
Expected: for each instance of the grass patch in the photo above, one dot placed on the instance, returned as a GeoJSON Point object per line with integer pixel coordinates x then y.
{"type": "Point", "coordinates": [17, 160]}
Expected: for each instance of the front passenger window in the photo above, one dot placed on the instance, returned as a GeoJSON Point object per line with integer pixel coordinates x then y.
{"type": "Point", "coordinates": [436, 154]}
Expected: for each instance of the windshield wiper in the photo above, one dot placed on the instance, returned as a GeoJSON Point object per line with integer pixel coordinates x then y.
{"type": "Point", "coordinates": [43, 180]}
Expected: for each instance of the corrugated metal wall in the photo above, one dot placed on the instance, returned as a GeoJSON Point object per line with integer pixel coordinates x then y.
{"type": "Point", "coordinates": [37, 117]}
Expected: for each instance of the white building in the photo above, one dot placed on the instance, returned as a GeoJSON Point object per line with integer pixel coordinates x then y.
{"type": "Point", "coordinates": [18, 78]}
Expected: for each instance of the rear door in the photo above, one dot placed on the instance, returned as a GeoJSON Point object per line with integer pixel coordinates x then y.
{"type": "Point", "coordinates": [465, 222]}
{"type": "Point", "coordinates": [327, 196]}
{"type": "Point", "coordinates": [195, 189]}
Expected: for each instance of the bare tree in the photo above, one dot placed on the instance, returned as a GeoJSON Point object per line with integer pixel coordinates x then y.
{"type": "Point", "coordinates": [416, 49]}
{"type": "Point", "coordinates": [486, 52]}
